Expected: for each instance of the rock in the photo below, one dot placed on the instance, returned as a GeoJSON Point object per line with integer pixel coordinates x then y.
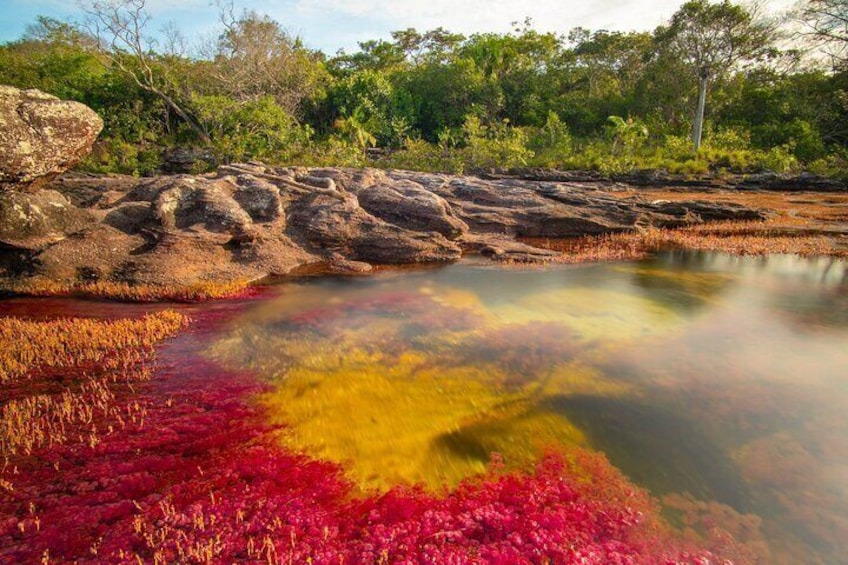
{"type": "Point", "coordinates": [506, 250]}
{"type": "Point", "coordinates": [97, 253]}
{"type": "Point", "coordinates": [696, 211]}
{"type": "Point", "coordinates": [343, 227]}
{"type": "Point", "coordinates": [745, 180]}
{"type": "Point", "coordinates": [185, 160]}
{"type": "Point", "coordinates": [34, 221]}
{"type": "Point", "coordinates": [319, 182]}
{"type": "Point", "coordinates": [41, 136]}
{"type": "Point", "coordinates": [199, 204]}
{"type": "Point", "coordinates": [337, 264]}
{"type": "Point", "coordinates": [87, 190]}
{"type": "Point", "coordinates": [129, 217]}
{"type": "Point", "coordinates": [411, 206]}
{"type": "Point", "coordinates": [259, 198]}
{"type": "Point", "coordinates": [519, 208]}
{"type": "Point", "coordinates": [248, 221]}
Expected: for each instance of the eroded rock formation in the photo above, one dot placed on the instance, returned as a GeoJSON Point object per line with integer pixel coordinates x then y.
{"type": "Point", "coordinates": [250, 221]}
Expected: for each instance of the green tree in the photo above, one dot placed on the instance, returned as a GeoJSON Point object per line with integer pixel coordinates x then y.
{"type": "Point", "coordinates": [119, 27]}
{"type": "Point", "coordinates": [712, 39]}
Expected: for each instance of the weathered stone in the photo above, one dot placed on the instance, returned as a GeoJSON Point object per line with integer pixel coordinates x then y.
{"type": "Point", "coordinates": [696, 211]}
{"type": "Point", "coordinates": [97, 253]}
{"type": "Point", "coordinates": [259, 198]}
{"type": "Point", "coordinates": [342, 226]}
{"type": "Point", "coordinates": [740, 180]}
{"type": "Point", "coordinates": [129, 217]}
{"type": "Point", "coordinates": [185, 160]}
{"type": "Point", "coordinates": [41, 136]}
{"type": "Point", "coordinates": [506, 250]}
{"type": "Point", "coordinates": [34, 221]}
{"type": "Point", "coordinates": [87, 190]}
{"type": "Point", "coordinates": [250, 221]}
{"type": "Point", "coordinates": [411, 206]}
{"type": "Point", "coordinates": [198, 203]}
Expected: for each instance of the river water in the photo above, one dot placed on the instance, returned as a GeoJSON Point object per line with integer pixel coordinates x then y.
{"type": "Point", "coordinates": [718, 383]}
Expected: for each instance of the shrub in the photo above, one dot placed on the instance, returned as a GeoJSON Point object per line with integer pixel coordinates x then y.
{"type": "Point", "coordinates": [257, 129]}
{"type": "Point", "coordinates": [113, 155]}
{"type": "Point", "coordinates": [779, 159]}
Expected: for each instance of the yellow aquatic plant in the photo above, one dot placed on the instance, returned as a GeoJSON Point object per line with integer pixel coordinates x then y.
{"type": "Point", "coordinates": [407, 420]}
{"type": "Point", "coordinates": [591, 313]}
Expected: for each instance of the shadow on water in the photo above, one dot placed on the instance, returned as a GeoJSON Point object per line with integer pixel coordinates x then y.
{"type": "Point", "coordinates": [645, 442]}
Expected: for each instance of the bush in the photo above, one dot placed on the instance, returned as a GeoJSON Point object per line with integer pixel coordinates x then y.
{"type": "Point", "coordinates": [779, 159]}
{"type": "Point", "coordinates": [419, 155]}
{"type": "Point", "coordinates": [112, 155]}
{"type": "Point", "coordinates": [834, 165]}
{"type": "Point", "coordinates": [496, 145]}
{"type": "Point", "coordinates": [334, 152]}
{"type": "Point", "coordinates": [551, 143]}
{"type": "Point", "coordinates": [730, 139]}
{"type": "Point", "coordinates": [258, 129]}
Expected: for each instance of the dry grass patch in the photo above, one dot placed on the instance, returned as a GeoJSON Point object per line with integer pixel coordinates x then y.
{"type": "Point", "coordinates": [798, 224]}
{"type": "Point", "coordinates": [738, 238]}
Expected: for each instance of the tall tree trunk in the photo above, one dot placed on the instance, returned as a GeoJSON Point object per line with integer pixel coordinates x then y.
{"type": "Point", "coordinates": [698, 128]}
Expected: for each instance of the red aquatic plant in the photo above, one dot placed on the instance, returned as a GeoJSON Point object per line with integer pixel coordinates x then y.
{"type": "Point", "coordinates": [202, 480]}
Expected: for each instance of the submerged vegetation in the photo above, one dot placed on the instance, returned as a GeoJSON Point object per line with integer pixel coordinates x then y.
{"type": "Point", "coordinates": [61, 377]}
{"type": "Point", "coordinates": [174, 461]}
{"type": "Point", "coordinates": [436, 100]}
{"type": "Point", "coordinates": [358, 422]}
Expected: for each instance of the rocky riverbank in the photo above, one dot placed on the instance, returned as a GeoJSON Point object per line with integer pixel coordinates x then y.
{"type": "Point", "coordinates": [249, 221]}
{"type": "Point", "coordinates": [245, 222]}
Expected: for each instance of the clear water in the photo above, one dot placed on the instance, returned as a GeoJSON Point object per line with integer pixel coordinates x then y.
{"type": "Point", "coordinates": [718, 383]}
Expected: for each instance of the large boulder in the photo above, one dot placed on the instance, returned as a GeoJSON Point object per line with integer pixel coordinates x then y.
{"type": "Point", "coordinates": [41, 136]}
{"type": "Point", "coordinates": [409, 205]}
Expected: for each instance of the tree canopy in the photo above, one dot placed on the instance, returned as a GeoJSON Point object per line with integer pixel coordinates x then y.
{"type": "Point", "coordinates": [597, 99]}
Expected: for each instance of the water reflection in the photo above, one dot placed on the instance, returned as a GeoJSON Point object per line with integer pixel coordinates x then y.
{"type": "Point", "coordinates": [714, 381]}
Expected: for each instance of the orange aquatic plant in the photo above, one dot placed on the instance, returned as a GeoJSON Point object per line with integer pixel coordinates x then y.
{"type": "Point", "coordinates": [99, 353]}
{"type": "Point", "coordinates": [32, 345]}
{"type": "Point", "coordinates": [196, 292]}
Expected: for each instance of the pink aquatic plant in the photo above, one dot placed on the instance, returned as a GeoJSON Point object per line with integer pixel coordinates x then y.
{"type": "Point", "coordinates": [202, 480]}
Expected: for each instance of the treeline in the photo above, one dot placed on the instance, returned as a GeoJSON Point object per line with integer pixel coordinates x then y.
{"type": "Point", "coordinates": [711, 90]}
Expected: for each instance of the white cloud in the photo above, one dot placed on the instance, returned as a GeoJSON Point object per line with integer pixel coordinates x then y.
{"type": "Point", "coordinates": [497, 15]}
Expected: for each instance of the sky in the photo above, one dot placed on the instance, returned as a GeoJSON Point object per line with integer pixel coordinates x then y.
{"type": "Point", "coordinates": [330, 25]}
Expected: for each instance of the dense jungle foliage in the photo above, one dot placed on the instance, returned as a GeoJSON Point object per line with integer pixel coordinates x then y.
{"type": "Point", "coordinates": [436, 100]}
